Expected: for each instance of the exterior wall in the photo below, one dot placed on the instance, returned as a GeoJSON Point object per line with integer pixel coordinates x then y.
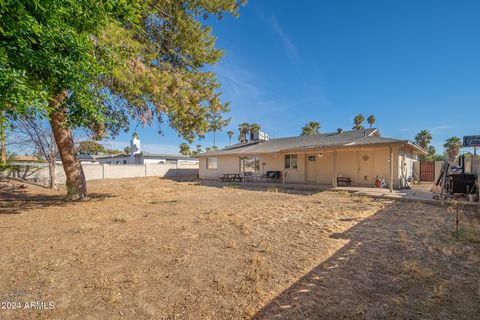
{"type": "Point", "coordinates": [381, 163]}
{"type": "Point", "coordinates": [225, 164]}
{"type": "Point", "coordinates": [271, 162]}
{"type": "Point", "coordinates": [405, 168]}
{"type": "Point", "coordinates": [153, 161]}
{"type": "Point", "coordinates": [114, 160]}
{"type": "Point", "coordinates": [347, 166]}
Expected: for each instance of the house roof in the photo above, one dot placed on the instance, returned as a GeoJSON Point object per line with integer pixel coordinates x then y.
{"type": "Point", "coordinates": [25, 158]}
{"type": "Point", "coordinates": [167, 156]}
{"type": "Point", "coordinates": [148, 155]}
{"type": "Point", "coordinates": [343, 139]}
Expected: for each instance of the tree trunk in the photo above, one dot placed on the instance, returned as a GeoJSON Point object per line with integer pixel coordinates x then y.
{"type": "Point", "coordinates": [3, 151]}
{"type": "Point", "coordinates": [76, 183]}
{"type": "Point", "coordinates": [52, 172]}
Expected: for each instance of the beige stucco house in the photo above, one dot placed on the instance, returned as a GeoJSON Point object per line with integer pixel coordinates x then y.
{"type": "Point", "coordinates": [361, 155]}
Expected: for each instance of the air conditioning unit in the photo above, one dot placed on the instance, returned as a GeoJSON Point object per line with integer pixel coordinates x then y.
{"type": "Point", "coordinates": [259, 136]}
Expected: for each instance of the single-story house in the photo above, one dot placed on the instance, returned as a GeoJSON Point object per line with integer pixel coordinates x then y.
{"type": "Point", "coordinates": [24, 159]}
{"type": "Point", "coordinates": [146, 158]}
{"type": "Point", "coordinates": [361, 155]}
{"type": "Point", "coordinates": [83, 158]}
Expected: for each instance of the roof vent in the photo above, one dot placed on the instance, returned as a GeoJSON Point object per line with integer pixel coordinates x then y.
{"type": "Point", "coordinates": [339, 130]}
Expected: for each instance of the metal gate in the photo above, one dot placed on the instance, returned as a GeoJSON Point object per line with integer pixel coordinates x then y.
{"type": "Point", "coordinates": [427, 171]}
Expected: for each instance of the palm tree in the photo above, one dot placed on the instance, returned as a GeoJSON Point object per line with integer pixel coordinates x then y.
{"type": "Point", "coordinates": [357, 121]}
{"type": "Point", "coordinates": [311, 129]}
{"type": "Point", "coordinates": [217, 123]}
{"type": "Point", "coordinates": [243, 130]}
{"type": "Point", "coordinates": [423, 138]}
{"type": "Point", "coordinates": [253, 128]}
{"type": "Point", "coordinates": [431, 153]}
{"type": "Point", "coordinates": [371, 120]}
{"type": "Point", "coordinates": [230, 135]}
{"type": "Point", "coordinates": [452, 147]}
{"type": "Point", "coordinates": [185, 149]}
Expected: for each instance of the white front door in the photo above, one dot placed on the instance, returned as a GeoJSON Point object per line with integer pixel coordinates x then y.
{"type": "Point", "coordinates": [311, 168]}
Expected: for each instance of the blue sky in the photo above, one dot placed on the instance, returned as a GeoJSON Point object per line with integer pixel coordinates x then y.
{"type": "Point", "coordinates": [413, 64]}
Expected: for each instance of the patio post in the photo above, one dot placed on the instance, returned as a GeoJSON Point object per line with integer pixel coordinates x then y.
{"type": "Point", "coordinates": [334, 177]}
{"type": "Point", "coordinates": [391, 169]}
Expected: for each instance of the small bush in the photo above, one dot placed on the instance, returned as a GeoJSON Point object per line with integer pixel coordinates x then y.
{"type": "Point", "coordinates": [122, 218]}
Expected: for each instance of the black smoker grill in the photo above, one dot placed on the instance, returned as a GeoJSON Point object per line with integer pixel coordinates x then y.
{"type": "Point", "coordinates": [457, 181]}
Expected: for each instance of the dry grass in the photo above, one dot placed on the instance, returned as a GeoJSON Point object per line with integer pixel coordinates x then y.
{"type": "Point", "coordinates": [414, 271]}
{"type": "Point", "coordinates": [362, 199]}
{"type": "Point", "coordinates": [156, 249]}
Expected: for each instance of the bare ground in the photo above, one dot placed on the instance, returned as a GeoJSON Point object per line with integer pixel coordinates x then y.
{"type": "Point", "coordinates": [149, 248]}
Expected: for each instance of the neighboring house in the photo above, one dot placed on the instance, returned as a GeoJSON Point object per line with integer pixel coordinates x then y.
{"type": "Point", "coordinates": [25, 159]}
{"type": "Point", "coordinates": [137, 156]}
{"type": "Point", "coordinates": [84, 158]}
{"type": "Point", "coordinates": [145, 157]}
{"type": "Point", "coordinates": [360, 155]}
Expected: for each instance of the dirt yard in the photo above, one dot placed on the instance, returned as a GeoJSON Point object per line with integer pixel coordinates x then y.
{"type": "Point", "coordinates": [149, 248]}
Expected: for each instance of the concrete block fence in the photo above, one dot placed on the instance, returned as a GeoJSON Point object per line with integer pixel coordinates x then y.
{"type": "Point", "coordinates": [38, 172]}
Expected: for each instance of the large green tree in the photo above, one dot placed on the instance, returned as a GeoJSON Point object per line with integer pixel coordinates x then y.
{"type": "Point", "coordinates": [185, 149]}
{"type": "Point", "coordinates": [311, 129]}
{"type": "Point", "coordinates": [98, 63]}
{"type": "Point", "coordinates": [90, 147]}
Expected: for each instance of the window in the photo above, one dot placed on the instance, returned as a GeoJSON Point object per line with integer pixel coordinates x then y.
{"type": "Point", "coordinates": [211, 163]}
{"type": "Point", "coordinates": [290, 161]}
{"type": "Point", "coordinates": [250, 164]}
{"type": "Point", "coordinates": [311, 158]}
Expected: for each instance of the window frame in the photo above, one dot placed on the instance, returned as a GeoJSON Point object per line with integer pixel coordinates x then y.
{"type": "Point", "coordinates": [207, 162]}
{"type": "Point", "coordinates": [288, 161]}
{"type": "Point", "coordinates": [256, 166]}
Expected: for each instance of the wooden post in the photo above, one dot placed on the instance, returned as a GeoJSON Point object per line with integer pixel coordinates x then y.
{"type": "Point", "coordinates": [391, 169]}
{"type": "Point", "coordinates": [334, 177]}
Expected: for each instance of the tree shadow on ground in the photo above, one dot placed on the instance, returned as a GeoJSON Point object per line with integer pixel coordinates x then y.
{"type": "Point", "coordinates": [401, 263]}
{"type": "Point", "coordinates": [17, 200]}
